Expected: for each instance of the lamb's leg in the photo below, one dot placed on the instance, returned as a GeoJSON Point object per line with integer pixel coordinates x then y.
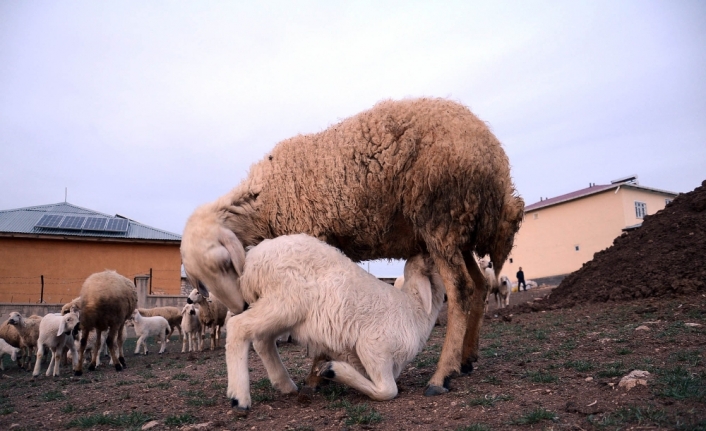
{"type": "Point", "coordinates": [459, 290]}
{"type": "Point", "coordinates": [163, 341]}
{"type": "Point", "coordinates": [380, 387]}
{"type": "Point", "coordinates": [277, 373]}
{"type": "Point", "coordinates": [38, 363]}
{"type": "Point", "coordinates": [56, 359]}
{"type": "Point", "coordinates": [474, 318]}
{"type": "Point", "coordinates": [183, 343]}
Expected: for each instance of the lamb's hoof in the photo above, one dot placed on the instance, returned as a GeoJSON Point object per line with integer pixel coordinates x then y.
{"type": "Point", "coordinates": [466, 368]}
{"type": "Point", "coordinates": [239, 411]}
{"type": "Point", "coordinates": [122, 361]}
{"type": "Point", "coordinates": [118, 367]}
{"type": "Point", "coordinates": [306, 395]}
{"type": "Point", "coordinates": [78, 373]}
{"type": "Point", "coordinates": [326, 371]}
{"type": "Point", "coordinates": [433, 390]}
{"type": "Point", "coordinates": [92, 367]}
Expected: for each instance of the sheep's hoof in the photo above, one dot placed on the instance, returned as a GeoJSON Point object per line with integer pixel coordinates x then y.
{"type": "Point", "coordinates": [239, 411]}
{"type": "Point", "coordinates": [326, 371]}
{"type": "Point", "coordinates": [118, 367]}
{"type": "Point", "coordinates": [433, 390]}
{"type": "Point", "coordinates": [122, 361]}
{"type": "Point", "coordinates": [78, 373]}
{"type": "Point", "coordinates": [92, 367]}
{"type": "Point", "coordinates": [466, 368]}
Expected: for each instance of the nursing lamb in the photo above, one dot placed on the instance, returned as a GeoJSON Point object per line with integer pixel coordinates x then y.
{"type": "Point", "coordinates": [301, 285]}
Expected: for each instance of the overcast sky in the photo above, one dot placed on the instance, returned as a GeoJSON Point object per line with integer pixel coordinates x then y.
{"type": "Point", "coordinates": [149, 109]}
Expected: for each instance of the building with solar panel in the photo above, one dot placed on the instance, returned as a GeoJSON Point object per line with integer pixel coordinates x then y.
{"type": "Point", "coordinates": [47, 251]}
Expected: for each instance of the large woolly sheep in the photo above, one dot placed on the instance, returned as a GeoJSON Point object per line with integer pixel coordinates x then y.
{"type": "Point", "coordinates": [212, 314]}
{"type": "Point", "coordinates": [28, 328]}
{"type": "Point", "coordinates": [107, 301]}
{"type": "Point", "coordinates": [9, 334]}
{"type": "Point", "coordinates": [405, 177]}
{"type": "Point", "coordinates": [191, 325]}
{"type": "Point", "coordinates": [330, 304]}
{"type": "Point", "coordinates": [154, 326]}
{"type": "Point", "coordinates": [172, 314]}
{"type": "Point", "coordinates": [55, 332]}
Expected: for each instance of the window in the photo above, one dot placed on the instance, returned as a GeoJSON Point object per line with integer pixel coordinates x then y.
{"type": "Point", "coordinates": [667, 201]}
{"type": "Point", "coordinates": [510, 260]}
{"type": "Point", "coordinates": [536, 216]}
{"type": "Point", "coordinates": [640, 209]}
{"type": "Point", "coordinates": [576, 247]}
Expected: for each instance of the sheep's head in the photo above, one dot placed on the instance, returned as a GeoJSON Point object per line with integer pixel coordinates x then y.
{"type": "Point", "coordinates": [189, 308]}
{"type": "Point", "coordinates": [213, 257]}
{"type": "Point", "coordinates": [15, 318]}
{"type": "Point", "coordinates": [68, 324]}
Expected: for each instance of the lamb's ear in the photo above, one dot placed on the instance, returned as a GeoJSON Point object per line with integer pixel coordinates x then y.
{"type": "Point", "coordinates": [62, 327]}
{"type": "Point", "coordinates": [235, 250]}
{"type": "Point", "coordinates": [423, 285]}
{"type": "Point", "coordinates": [202, 289]}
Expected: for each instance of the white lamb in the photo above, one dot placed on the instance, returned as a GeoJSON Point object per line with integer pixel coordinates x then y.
{"type": "Point", "coordinates": [192, 329]}
{"type": "Point", "coordinates": [55, 333]}
{"type": "Point", "coordinates": [155, 326]}
{"type": "Point", "coordinates": [334, 307]}
{"type": "Point", "coordinates": [7, 349]}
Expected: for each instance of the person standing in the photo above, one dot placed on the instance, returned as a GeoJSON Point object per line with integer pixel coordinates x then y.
{"type": "Point", "coordinates": [521, 280]}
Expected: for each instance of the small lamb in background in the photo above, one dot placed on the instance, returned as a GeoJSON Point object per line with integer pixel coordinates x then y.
{"type": "Point", "coordinates": [155, 326]}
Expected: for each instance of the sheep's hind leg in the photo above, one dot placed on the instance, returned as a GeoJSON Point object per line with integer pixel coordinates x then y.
{"type": "Point", "coordinates": [279, 377]}
{"type": "Point", "coordinates": [113, 348]}
{"type": "Point", "coordinates": [237, 347]}
{"type": "Point", "coordinates": [474, 318]}
{"type": "Point", "coordinates": [380, 387]}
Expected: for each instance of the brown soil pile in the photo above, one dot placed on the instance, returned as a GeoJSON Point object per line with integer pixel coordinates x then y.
{"type": "Point", "coordinates": [666, 256]}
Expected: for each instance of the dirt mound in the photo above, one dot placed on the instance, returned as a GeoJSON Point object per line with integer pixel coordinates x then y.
{"type": "Point", "coordinates": [666, 256]}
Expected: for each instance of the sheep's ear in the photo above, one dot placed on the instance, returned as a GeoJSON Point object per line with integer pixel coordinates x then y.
{"type": "Point", "coordinates": [235, 250]}
{"type": "Point", "coordinates": [423, 286]}
{"type": "Point", "coordinates": [202, 289]}
{"type": "Point", "coordinates": [62, 327]}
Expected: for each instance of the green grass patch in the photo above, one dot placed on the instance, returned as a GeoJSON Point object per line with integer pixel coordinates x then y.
{"type": "Point", "coordinates": [425, 361]}
{"type": "Point", "coordinates": [52, 396]}
{"type": "Point", "coordinates": [580, 365]}
{"type": "Point", "coordinates": [541, 376]}
{"type": "Point", "coordinates": [623, 351]}
{"type": "Point", "coordinates": [179, 420]}
{"type": "Point", "coordinates": [493, 380]}
{"type": "Point", "coordinates": [644, 415]}
{"type": "Point", "coordinates": [692, 357]}
{"type": "Point", "coordinates": [568, 345]}
{"type": "Point", "coordinates": [474, 427]}
{"type": "Point", "coordinates": [613, 369]}
{"type": "Point", "coordinates": [134, 419]}
{"type": "Point", "coordinates": [535, 416]}
{"type": "Point", "coordinates": [539, 334]}
{"type": "Point", "coordinates": [680, 384]}
{"type": "Point", "coordinates": [6, 406]}
{"type": "Point", "coordinates": [160, 385]}
{"type": "Point", "coordinates": [488, 400]}
{"type": "Point", "coordinates": [362, 414]}
{"type": "Point", "coordinates": [262, 390]}
{"type": "Point", "coordinates": [180, 376]}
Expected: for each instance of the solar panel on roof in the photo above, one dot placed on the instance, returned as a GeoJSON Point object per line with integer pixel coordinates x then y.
{"type": "Point", "coordinates": [49, 220]}
{"type": "Point", "coordinates": [117, 225]}
{"type": "Point", "coordinates": [72, 222]}
{"type": "Point", "coordinates": [95, 223]}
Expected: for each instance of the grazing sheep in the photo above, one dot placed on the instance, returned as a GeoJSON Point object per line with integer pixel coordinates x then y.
{"type": "Point", "coordinates": [28, 328]}
{"type": "Point", "coordinates": [55, 332]}
{"type": "Point", "coordinates": [405, 177]}
{"type": "Point", "coordinates": [212, 313]}
{"type": "Point", "coordinates": [155, 326]}
{"type": "Point", "coordinates": [330, 304]}
{"type": "Point", "coordinates": [107, 301]}
{"type": "Point", "coordinates": [502, 292]}
{"type": "Point", "coordinates": [7, 349]}
{"type": "Point", "coordinates": [172, 314]}
{"type": "Point", "coordinates": [191, 324]}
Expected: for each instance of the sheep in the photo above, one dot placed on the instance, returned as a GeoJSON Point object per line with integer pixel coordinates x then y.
{"type": "Point", "coordinates": [55, 332]}
{"type": "Point", "coordinates": [103, 350]}
{"type": "Point", "coordinates": [155, 326]}
{"type": "Point", "coordinates": [107, 301]}
{"type": "Point", "coordinates": [9, 334]}
{"type": "Point", "coordinates": [401, 178]}
{"type": "Point", "coordinates": [191, 324]}
{"type": "Point", "coordinates": [7, 349]}
{"type": "Point", "coordinates": [330, 304]}
{"type": "Point", "coordinates": [28, 328]}
{"type": "Point", "coordinates": [212, 313]}
{"type": "Point", "coordinates": [491, 279]}
{"type": "Point", "coordinates": [172, 314]}
{"type": "Point", "coordinates": [502, 292]}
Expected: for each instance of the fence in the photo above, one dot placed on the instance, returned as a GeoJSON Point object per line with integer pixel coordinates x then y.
{"type": "Point", "coordinates": [144, 298]}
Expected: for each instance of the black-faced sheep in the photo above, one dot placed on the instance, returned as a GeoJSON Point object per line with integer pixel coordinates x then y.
{"type": "Point", "coordinates": [331, 305]}
{"type": "Point", "coordinates": [107, 301]}
{"type": "Point", "coordinates": [55, 332]}
{"type": "Point", "coordinates": [212, 314]}
{"type": "Point", "coordinates": [403, 178]}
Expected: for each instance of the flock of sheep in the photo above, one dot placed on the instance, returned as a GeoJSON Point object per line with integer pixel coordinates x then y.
{"type": "Point", "coordinates": [420, 179]}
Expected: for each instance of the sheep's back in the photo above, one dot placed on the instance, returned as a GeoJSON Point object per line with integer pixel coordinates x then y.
{"type": "Point", "coordinates": [107, 299]}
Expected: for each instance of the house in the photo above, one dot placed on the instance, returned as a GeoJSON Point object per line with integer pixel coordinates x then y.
{"type": "Point", "coordinates": [560, 234]}
{"type": "Point", "coordinates": [47, 251]}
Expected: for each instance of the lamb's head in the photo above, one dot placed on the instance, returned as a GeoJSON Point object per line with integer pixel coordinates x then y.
{"type": "Point", "coordinates": [15, 318]}
{"type": "Point", "coordinates": [213, 257]}
{"type": "Point", "coordinates": [68, 323]}
{"type": "Point", "coordinates": [189, 309]}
